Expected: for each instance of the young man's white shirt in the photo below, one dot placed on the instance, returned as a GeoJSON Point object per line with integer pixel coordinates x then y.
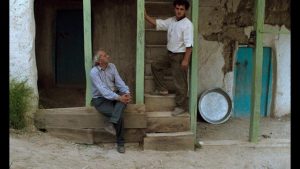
{"type": "Point", "coordinates": [180, 33]}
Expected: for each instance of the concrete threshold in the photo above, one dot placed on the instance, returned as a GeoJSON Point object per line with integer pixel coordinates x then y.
{"type": "Point", "coordinates": [246, 143]}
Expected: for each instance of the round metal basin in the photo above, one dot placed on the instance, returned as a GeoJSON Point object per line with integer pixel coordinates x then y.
{"type": "Point", "coordinates": [215, 106]}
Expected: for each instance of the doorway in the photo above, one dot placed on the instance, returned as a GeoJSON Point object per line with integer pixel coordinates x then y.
{"type": "Point", "coordinates": [243, 82]}
{"type": "Point", "coordinates": [69, 49]}
{"type": "Point", "coordinates": [60, 53]}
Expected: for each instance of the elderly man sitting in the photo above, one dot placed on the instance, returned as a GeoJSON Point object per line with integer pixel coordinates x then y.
{"type": "Point", "coordinates": [110, 95]}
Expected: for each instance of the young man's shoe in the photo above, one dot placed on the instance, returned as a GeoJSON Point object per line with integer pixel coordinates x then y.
{"type": "Point", "coordinates": [178, 111]}
{"type": "Point", "coordinates": [110, 129]}
{"type": "Point", "coordinates": [121, 149]}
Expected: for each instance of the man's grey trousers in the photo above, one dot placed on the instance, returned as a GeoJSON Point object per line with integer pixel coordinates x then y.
{"type": "Point", "coordinates": [114, 111]}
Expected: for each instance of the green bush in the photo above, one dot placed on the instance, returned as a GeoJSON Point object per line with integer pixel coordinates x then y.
{"type": "Point", "coordinates": [19, 97]}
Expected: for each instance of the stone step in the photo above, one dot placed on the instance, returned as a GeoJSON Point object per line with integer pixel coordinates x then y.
{"type": "Point", "coordinates": [87, 117]}
{"type": "Point", "coordinates": [159, 8]}
{"type": "Point", "coordinates": [169, 141]}
{"type": "Point", "coordinates": [153, 37]}
{"type": "Point", "coordinates": [148, 26]}
{"type": "Point", "coordinates": [150, 85]}
{"type": "Point", "coordinates": [159, 103]}
{"type": "Point", "coordinates": [156, 46]}
{"type": "Point", "coordinates": [164, 122]}
{"type": "Point", "coordinates": [148, 71]}
{"type": "Point", "coordinates": [156, 52]}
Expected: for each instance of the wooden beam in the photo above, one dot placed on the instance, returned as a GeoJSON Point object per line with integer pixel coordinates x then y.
{"type": "Point", "coordinates": [194, 71]}
{"type": "Point", "coordinates": [87, 48]}
{"type": "Point", "coordinates": [276, 32]}
{"type": "Point", "coordinates": [83, 117]}
{"type": "Point", "coordinates": [140, 47]}
{"type": "Point", "coordinates": [95, 136]}
{"type": "Point", "coordinates": [257, 71]}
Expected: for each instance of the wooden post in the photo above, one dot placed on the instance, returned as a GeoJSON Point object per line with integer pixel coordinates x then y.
{"type": "Point", "coordinates": [194, 70]}
{"type": "Point", "coordinates": [257, 71]}
{"type": "Point", "coordinates": [140, 48]}
{"type": "Point", "coordinates": [87, 48]}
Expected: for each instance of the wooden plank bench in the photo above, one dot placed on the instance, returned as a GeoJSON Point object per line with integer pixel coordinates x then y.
{"type": "Point", "coordinates": [85, 124]}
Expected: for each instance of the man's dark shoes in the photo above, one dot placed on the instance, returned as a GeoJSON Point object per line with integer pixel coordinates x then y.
{"type": "Point", "coordinates": [121, 149]}
{"type": "Point", "coordinates": [110, 129]}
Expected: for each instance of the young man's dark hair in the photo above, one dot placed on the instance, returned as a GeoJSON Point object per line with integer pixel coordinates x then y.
{"type": "Point", "coordinates": [182, 2]}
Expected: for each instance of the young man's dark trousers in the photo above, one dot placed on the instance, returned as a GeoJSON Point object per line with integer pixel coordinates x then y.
{"type": "Point", "coordinates": [179, 77]}
{"type": "Point", "coordinates": [114, 111]}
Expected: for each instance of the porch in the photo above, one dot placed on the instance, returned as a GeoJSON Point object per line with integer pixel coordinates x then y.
{"type": "Point", "coordinates": [147, 120]}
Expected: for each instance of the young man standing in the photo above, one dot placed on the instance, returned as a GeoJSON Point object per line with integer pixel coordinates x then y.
{"type": "Point", "coordinates": [110, 95]}
{"type": "Point", "coordinates": [180, 41]}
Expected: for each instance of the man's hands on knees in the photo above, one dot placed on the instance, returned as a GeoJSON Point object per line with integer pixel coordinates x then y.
{"type": "Point", "coordinates": [128, 97]}
{"type": "Point", "coordinates": [125, 98]}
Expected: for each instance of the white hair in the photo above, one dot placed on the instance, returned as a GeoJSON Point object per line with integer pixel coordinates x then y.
{"type": "Point", "coordinates": [96, 57]}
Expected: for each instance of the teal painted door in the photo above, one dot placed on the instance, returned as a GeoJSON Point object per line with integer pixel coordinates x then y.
{"type": "Point", "coordinates": [69, 48]}
{"type": "Point", "coordinates": [243, 81]}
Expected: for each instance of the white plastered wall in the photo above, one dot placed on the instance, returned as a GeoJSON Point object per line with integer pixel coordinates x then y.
{"type": "Point", "coordinates": [281, 60]}
{"type": "Point", "coordinates": [22, 62]}
{"type": "Point", "coordinates": [211, 61]}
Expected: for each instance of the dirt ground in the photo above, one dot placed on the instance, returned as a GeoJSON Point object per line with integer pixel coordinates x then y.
{"type": "Point", "coordinates": [238, 129]}
{"type": "Point", "coordinates": [41, 150]}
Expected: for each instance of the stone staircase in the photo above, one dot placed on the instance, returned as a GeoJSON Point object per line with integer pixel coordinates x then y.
{"type": "Point", "coordinates": [156, 41]}
{"type": "Point", "coordinates": [164, 132]}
